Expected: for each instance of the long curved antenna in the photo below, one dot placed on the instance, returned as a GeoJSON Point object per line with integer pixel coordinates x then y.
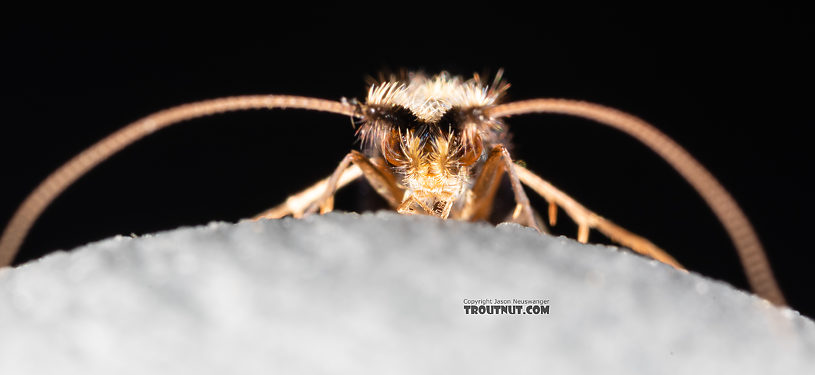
{"type": "Point", "coordinates": [53, 185]}
{"type": "Point", "coordinates": [744, 237]}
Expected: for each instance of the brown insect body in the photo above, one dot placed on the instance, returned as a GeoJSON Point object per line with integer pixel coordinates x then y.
{"type": "Point", "coordinates": [435, 146]}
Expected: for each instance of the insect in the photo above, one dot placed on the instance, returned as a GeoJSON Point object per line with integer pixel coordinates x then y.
{"type": "Point", "coordinates": [434, 145]}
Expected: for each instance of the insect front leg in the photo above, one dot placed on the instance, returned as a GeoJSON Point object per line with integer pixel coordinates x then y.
{"type": "Point", "coordinates": [377, 175]}
{"type": "Point", "coordinates": [297, 204]}
{"type": "Point", "coordinates": [479, 203]}
{"type": "Point", "coordinates": [586, 219]}
{"type": "Point", "coordinates": [480, 198]}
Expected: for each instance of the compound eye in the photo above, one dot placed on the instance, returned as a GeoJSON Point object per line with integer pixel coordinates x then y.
{"type": "Point", "coordinates": [392, 148]}
{"type": "Point", "coordinates": [471, 152]}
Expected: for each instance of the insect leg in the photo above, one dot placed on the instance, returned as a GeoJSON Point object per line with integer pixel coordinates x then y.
{"type": "Point", "coordinates": [586, 219]}
{"type": "Point", "coordinates": [296, 204]}
{"type": "Point", "coordinates": [380, 179]}
{"type": "Point", "coordinates": [523, 210]}
{"type": "Point", "coordinates": [479, 199]}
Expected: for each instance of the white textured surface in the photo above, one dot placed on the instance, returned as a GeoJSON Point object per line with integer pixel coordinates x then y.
{"type": "Point", "coordinates": [382, 293]}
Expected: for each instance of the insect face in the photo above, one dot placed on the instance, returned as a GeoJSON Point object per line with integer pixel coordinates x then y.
{"type": "Point", "coordinates": [433, 135]}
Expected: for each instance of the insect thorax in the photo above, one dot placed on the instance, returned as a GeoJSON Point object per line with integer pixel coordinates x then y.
{"type": "Point", "coordinates": [433, 134]}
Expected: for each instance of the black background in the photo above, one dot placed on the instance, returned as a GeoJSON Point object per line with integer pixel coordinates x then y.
{"type": "Point", "coordinates": [732, 86]}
